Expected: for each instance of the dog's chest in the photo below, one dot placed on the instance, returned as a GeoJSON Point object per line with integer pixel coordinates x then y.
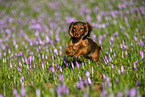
{"type": "Point", "coordinates": [75, 46]}
{"type": "Point", "coordinates": [78, 44]}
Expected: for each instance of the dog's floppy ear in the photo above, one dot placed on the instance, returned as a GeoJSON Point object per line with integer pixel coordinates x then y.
{"type": "Point", "coordinates": [70, 29]}
{"type": "Point", "coordinates": [88, 29]}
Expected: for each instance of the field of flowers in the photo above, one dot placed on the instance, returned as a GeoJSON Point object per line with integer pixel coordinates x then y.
{"type": "Point", "coordinates": [34, 34]}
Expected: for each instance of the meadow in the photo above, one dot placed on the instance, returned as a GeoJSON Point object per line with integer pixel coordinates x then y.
{"type": "Point", "coordinates": [34, 34]}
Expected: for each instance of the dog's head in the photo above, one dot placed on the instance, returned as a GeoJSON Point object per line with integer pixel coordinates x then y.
{"type": "Point", "coordinates": [80, 29]}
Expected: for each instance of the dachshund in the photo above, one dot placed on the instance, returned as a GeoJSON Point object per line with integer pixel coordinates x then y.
{"type": "Point", "coordinates": [80, 43]}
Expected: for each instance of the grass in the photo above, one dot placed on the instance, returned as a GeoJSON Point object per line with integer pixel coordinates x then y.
{"type": "Point", "coordinates": [34, 34]}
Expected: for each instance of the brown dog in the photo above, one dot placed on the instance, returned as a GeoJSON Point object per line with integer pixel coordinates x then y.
{"type": "Point", "coordinates": [80, 43]}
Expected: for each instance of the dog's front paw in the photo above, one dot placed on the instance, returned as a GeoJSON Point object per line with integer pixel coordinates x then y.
{"type": "Point", "coordinates": [76, 54]}
{"type": "Point", "coordinates": [70, 54]}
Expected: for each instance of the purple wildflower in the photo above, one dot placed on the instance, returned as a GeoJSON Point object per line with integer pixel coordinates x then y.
{"type": "Point", "coordinates": [3, 60]}
{"type": "Point", "coordinates": [127, 92]}
{"type": "Point", "coordinates": [88, 18]}
{"type": "Point", "coordinates": [4, 54]}
{"type": "Point", "coordinates": [74, 58]}
{"type": "Point", "coordinates": [116, 79]}
{"type": "Point", "coordinates": [119, 94]}
{"type": "Point", "coordinates": [124, 44]}
{"type": "Point", "coordinates": [52, 57]}
{"type": "Point", "coordinates": [51, 50]}
{"type": "Point", "coordinates": [19, 69]}
{"type": "Point", "coordinates": [38, 92]}
{"type": "Point", "coordinates": [63, 86]}
{"type": "Point", "coordinates": [119, 71]}
{"type": "Point", "coordinates": [100, 41]}
{"type": "Point", "coordinates": [37, 49]}
{"type": "Point", "coordinates": [52, 69]}
{"type": "Point", "coordinates": [55, 51]}
{"type": "Point", "coordinates": [137, 82]}
{"type": "Point", "coordinates": [58, 89]}
{"type": "Point", "coordinates": [111, 50]}
{"type": "Point", "coordinates": [64, 58]}
{"type": "Point", "coordinates": [108, 81]}
{"type": "Point", "coordinates": [34, 65]}
{"type": "Point", "coordinates": [83, 65]}
{"type": "Point", "coordinates": [20, 64]}
{"type": "Point", "coordinates": [46, 57]}
{"type": "Point", "coordinates": [79, 77]}
{"type": "Point", "coordinates": [66, 64]}
{"type": "Point", "coordinates": [126, 53]}
{"type": "Point", "coordinates": [103, 84]}
{"type": "Point", "coordinates": [60, 69]}
{"type": "Point", "coordinates": [72, 65]}
{"type": "Point", "coordinates": [42, 56]}
{"type": "Point", "coordinates": [103, 93]}
{"type": "Point", "coordinates": [9, 51]}
{"type": "Point", "coordinates": [55, 65]}
{"type": "Point", "coordinates": [1, 95]}
{"type": "Point", "coordinates": [132, 92]}
{"type": "Point", "coordinates": [89, 80]}
{"type": "Point", "coordinates": [70, 19]}
{"type": "Point", "coordinates": [52, 89]}
{"type": "Point", "coordinates": [60, 77]}
{"type": "Point", "coordinates": [81, 84]}
{"type": "Point", "coordinates": [104, 76]}
{"type": "Point", "coordinates": [135, 38]}
{"type": "Point", "coordinates": [110, 59]}
{"type": "Point", "coordinates": [31, 82]}
{"type": "Point", "coordinates": [134, 64]}
{"type": "Point", "coordinates": [106, 61]}
{"type": "Point", "coordinates": [89, 62]}
{"type": "Point", "coordinates": [22, 90]}
{"type": "Point", "coordinates": [77, 64]}
{"type": "Point", "coordinates": [77, 84]}
{"type": "Point", "coordinates": [16, 54]}
{"type": "Point", "coordinates": [27, 66]}
{"type": "Point", "coordinates": [114, 54]}
{"type": "Point", "coordinates": [141, 53]}
{"type": "Point", "coordinates": [122, 69]}
{"type": "Point", "coordinates": [66, 90]}
{"type": "Point", "coordinates": [14, 91]}
{"type": "Point", "coordinates": [11, 65]}
{"type": "Point", "coordinates": [87, 73]}
{"type": "Point", "coordinates": [23, 60]}
{"type": "Point", "coordinates": [42, 65]}
{"type": "Point", "coordinates": [141, 42]}
{"type": "Point", "coordinates": [60, 52]}
{"type": "Point", "coordinates": [112, 66]}
{"type": "Point", "coordinates": [22, 78]}
{"type": "Point", "coordinates": [131, 44]}
{"type": "Point", "coordinates": [86, 81]}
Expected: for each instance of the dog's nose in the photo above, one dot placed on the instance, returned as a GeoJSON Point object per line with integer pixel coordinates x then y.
{"type": "Point", "coordinates": [76, 34]}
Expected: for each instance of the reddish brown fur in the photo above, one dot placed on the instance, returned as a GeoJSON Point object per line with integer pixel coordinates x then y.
{"type": "Point", "coordinates": [80, 43]}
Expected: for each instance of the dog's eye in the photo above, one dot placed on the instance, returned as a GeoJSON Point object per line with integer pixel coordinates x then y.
{"type": "Point", "coordinates": [74, 27]}
{"type": "Point", "coordinates": [81, 28]}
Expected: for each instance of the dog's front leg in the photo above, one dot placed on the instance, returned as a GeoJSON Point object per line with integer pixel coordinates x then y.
{"type": "Point", "coordinates": [81, 50]}
{"type": "Point", "coordinates": [69, 51]}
